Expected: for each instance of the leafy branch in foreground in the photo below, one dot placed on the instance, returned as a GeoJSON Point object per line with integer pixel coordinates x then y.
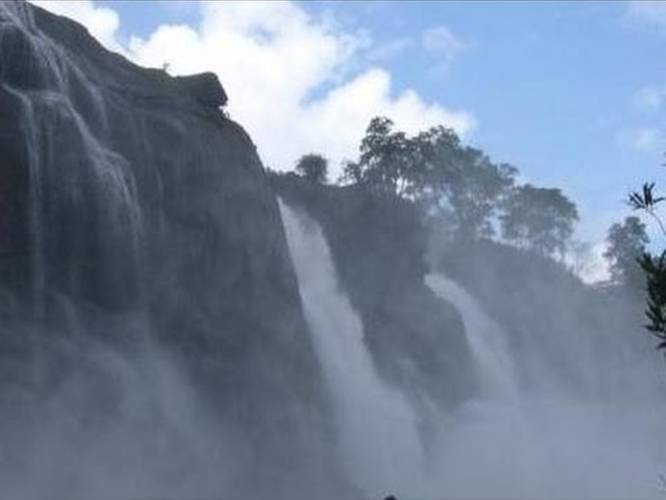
{"type": "Point", "coordinates": [653, 266]}
{"type": "Point", "coordinates": [647, 202]}
{"type": "Point", "coordinates": [655, 270]}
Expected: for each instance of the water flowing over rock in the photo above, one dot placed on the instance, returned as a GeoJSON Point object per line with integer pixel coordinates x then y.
{"type": "Point", "coordinates": [136, 218]}
{"type": "Point", "coordinates": [518, 443]}
{"type": "Point", "coordinates": [486, 338]}
{"type": "Point", "coordinates": [417, 341]}
{"type": "Point", "coordinates": [377, 427]}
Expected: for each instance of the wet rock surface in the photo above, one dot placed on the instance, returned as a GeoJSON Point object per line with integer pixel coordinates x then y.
{"type": "Point", "coordinates": [125, 192]}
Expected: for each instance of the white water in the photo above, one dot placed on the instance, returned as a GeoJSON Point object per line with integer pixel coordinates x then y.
{"type": "Point", "coordinates": [511, 443]}
{"type": "Point", "coordinates": [507, 443]}
{"type": "Point", "coordinates": [376, 426]}
{"type": "Point", "coordinates": [486, 339]}
{"type": "Point", "coordinates": [47, 105]}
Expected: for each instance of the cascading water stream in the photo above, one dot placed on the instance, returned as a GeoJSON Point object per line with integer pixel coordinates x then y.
{"type": "Point", "coordinates": [99, 182]}
{"type": "Point", "coordinates": [486, 338]}
{"type": "Point", "coordinates": [376, 425]}
{"type": "Point", "coordinates": [517, 443]}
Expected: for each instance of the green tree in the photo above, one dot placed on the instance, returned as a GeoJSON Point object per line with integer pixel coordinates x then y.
{"type": "Point", "coordinates": [655, 272]}
{"type": "Point", "coordinates": [313, 167]}
{"type": "Point", "coordinates": [653, 266]}
{"type": "Point", "coordinates": [626, 244]}
{"type": "Point", "coordinates": [434, 170]}
{"type": "Point", "coordinates": [386, 162]}
{"type": "Point", "coordinates": [472, 187]}
{"type": "Point", "coordinates": [539, 218]}
{"type": "Point", "coordinates": [456, 182]}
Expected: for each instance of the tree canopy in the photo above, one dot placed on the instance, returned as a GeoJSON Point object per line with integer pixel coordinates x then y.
{"type": "Point", "coordinates": [313, 167]}
{"type": "Point", "coordinates": [626, 244]}
{"type": "Point", "coordinates": [434, 170]}
{"type": "Point", "coordinates": [386, 162]}
{"type": "Point", "coordinates": [540, 218]}
{"type": "Point", "coordinates": [456, 188]}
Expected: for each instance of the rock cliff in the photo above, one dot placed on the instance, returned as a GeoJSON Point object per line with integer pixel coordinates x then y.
{"type": "Point", "coordinates": [126, 193]}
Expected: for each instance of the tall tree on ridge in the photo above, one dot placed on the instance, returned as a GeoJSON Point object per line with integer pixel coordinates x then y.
{"type": "Point", "coordinates": [539, 218]}
{"type": "Point", "coordinates": [313, 167]}
{"type": "Point", "coordinates": [626, 245]}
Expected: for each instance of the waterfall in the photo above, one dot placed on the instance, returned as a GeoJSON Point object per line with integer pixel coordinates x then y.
{"type": "Point", "coordinates": [486, 339]}
{"type": "Point", "coordinates": [376, 425]}
{"type": "Point", "coordinates": [86, 182]}
{"type": "Point", "coordinates": [512, 442]}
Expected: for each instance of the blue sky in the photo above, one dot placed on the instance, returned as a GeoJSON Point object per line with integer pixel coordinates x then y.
{"type": "Point", "coordinates": [573, 94]}
{"type": "Point", "coordinates": [552, 86]}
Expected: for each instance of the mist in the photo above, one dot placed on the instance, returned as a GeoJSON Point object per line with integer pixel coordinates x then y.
{"type": "Point", "coordinates": [536, 436]}
{"type": "Point", "coordinates": [179, 320]}
{"type": "Point", "coordinates": [85, 419]}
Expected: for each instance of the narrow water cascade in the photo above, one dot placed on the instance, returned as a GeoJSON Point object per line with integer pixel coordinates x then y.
{"type": "Point", "coordinates": [486, 338]}
{"type": "Point", "coordinates": [518, 443]}
{"type": "Point", "coordinates": [376, 425]}
{"type": "Point", "coordinates": [89, 184]}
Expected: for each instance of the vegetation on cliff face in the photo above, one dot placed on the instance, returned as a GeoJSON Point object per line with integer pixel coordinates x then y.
{"type": "Point", "coordinates": [412, 204]}
{"type": "Point", "coordinates": [460, 186]}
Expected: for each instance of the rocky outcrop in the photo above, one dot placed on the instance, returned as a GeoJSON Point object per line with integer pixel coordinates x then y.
{"type": "Point", "coordinates": [205, 88]}
{"type": "Point", "coordinates": [126, 192]}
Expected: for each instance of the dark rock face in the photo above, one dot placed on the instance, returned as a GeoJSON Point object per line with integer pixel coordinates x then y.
{"type": "Point", "coordinates": [417, 340]}
{"type": "Point", "coordinates": [205, 88]}
{"type": "Point", "coordinates": [125, 192]}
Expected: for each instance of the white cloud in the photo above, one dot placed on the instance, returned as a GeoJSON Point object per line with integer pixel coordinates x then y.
{"type": "Point", "coordinates": [439, 39]}
{"type": "Point", "coordinates": [389, 49]}
{"type": "Point", "coordinates": [350, 106]}
{"type": "Point", "coordinates": [441, 42]}
{"type": "Point", "coordinates": [650, 98]}
{"type": "Point", "coordinates": [102, 22]}
{"type": "Point", "coordinates": [646, 139]}
{"type": "Point", "coordinates": [275, 62]}
{"type": "Point", "coordinates": [298, 84]}
{"type": "Point", "coordinates": [650, 12]}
